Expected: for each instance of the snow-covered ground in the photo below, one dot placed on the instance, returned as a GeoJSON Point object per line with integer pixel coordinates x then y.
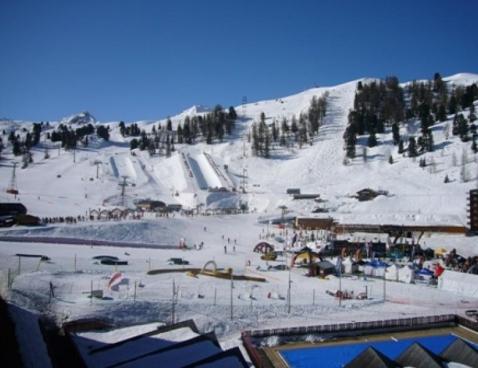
{"type": "Point", "coordinates": [64, 185]}
{"type": "Point", "coordinates": [205, 299]}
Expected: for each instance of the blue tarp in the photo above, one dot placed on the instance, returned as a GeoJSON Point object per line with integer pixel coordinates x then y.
{"type": "Point", "coordinates": [425, 272]}
{"type": "Point", "coordinates": [376, 263]}
{"type": "Point", "coordinates": [337, 356]}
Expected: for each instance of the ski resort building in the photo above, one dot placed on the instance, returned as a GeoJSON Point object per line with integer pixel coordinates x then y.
{"type": "Point", "coordinates": [12, 209]}
{"type": "Point", "coordinates": [473, 211]}
{"type": "Point", "coordinates": [314, 223]}
{"type": "Point", "coordinates": [176, 345]}
{"type": "Point", "coordinates": [150, 205]}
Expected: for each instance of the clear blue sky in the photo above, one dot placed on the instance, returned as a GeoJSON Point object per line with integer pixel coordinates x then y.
{"type": "Point", "coordinates": [147, 59]}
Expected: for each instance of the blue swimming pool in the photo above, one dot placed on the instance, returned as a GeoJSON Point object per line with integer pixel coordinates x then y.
{"type": "Point", "coordinates": [338, 355]}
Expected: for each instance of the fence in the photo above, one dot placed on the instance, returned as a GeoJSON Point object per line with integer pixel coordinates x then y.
{"type": "Point", "coordinates": [78, 241]}
{"type": "Point", "coordinates": [414, 322]}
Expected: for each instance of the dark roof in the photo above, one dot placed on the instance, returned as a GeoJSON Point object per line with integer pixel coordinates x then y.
{"type": "Point", "coordinates": [371, 358]}
{"type": "Point", "coordinates": [188, 323]}
{"type": "Point", "coordinates": [305, 196]}
{"type": "Point", "coordinates": [150, 202]}
{"type": "Point", "coordinates": [367, 191]}
{"type": "Point", "coordinates": [325, 265]}
{"type": "Point", "coordinates": [7, 209]}
{"type": "Point", "coordinates": [419, 357]}
{"type": "Point", "coordinates": [461, 352]}
{"type": "Point", "coordinates": [188, 347]}
{"type": "Point", "coordinates": [221, 358]}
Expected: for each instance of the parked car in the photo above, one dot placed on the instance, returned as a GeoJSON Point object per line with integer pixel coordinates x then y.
{"type": "Point", "coordinates": [177, 261]}
{"type": "Point", "coordinates": [279, 267]}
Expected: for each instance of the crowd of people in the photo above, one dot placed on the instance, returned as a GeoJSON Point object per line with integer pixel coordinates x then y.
{"type": "Point", "coordinates": [458, 263]}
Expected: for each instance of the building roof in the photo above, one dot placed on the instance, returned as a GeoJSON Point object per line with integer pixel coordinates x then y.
{"type": "Point", "coordinates": [416, 355]}
{"type": "Point", "coordinates": [231, 358]}
{"type": "Point", "coordinates": [325, 265]}
{"type": "Point", "coordinates": [371, 358]}
{"type": "Point", "coordinates": [461, 352]}
{"type": "Point", "coordinates": [8, 209]}
{"type": "Point", "coordinates": [171, 346]}
{"type": "Point", "coordinates": [176, 355]}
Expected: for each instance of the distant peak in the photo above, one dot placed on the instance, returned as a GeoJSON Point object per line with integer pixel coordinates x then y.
{"type": "Point", "coordinates": [196, 109]}
{"type": "Point", "coordinates": [462, 78]}
{"type": "Point", "coordinates": [81, 118]}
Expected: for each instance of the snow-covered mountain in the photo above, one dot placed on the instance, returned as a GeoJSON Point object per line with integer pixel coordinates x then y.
{"type": "Point", "coordinates": [67, 185]}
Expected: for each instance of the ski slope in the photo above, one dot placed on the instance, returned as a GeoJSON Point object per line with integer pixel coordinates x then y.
{"type": "Point", "coordinates": [59, 186]}
{"type": "Point", "coordinates": [66, 185]}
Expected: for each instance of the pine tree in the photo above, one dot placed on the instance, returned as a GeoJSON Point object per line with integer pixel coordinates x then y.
{"type": "Point", "coordinates": [452, 105]}
{"type": "Point", "coordinates": [284, 127]}
{"type": "Point", "coordinates": [422, 163]}
{"type": "Point", "coordinates": [133, 144]}
{"type": "Point", "coordinates": [275, 132]}
{"type": "Point", "coordinates": [390, 160]}
{"type": "Point", "coordinates": [282, 140]}
{"type": "Point", "coordinates": [400, 147]}
{"type": "Point", "coordinates": [122, 128]}
{"type": "Point", "coordinates": [168, 147]}
{"type": "Point", "coordinates": [474, 147]}
{"type": "Point", "coordinates": [412, 147]}
{"type": "Point", "coordinates": [255, 141]}
{"type": "Point", "coordinates": [350, 138]}
{"type": "Point", "coordinates": [179, 132]}
{"type": "Point", "coordinates": [462, 128]}
{"type": "Point", "coordinates": [17, 148]}
{"type": "Point", "coordinates": [169, 125]}
{"type": "Point", "coordinates": [294, 128]}
{"type": "Point", "coordinates": [441, 113]}
{"type": "Point", "coordinates": [267, 146]}
{"type": "Point", "coordinates": [395, 133]}
{"type": "Point", "coordinates": [438, 83]}
{"type": "Point", "coordinates": [472, 115]}
{"type": "Point", "coordinates": [28, 141]}
{"type": "Point", "coordinates": [36, 133]}
{"type": "Point", "coordinates": [430, 143]}
{"type": "Point", "coordinates": [232, 113]}
{"type": "Point", "coordinates": [102, 132]}
{"type": "Point", "coordinates": [263, 118]}
{"type": "Point", "coordinates": [186, 130]}
{"type": "Point", "coordinates": [455, 130]}
{"type": "Point", "coordinates": [372, 139]}
{"type": "Point", "coordinates": [11, 137]}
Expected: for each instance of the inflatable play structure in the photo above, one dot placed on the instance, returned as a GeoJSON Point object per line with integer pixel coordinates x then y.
{"type": "Point", "coordinates": [305, 257]}
{"type": "Point", "coordinates": [264, 248]}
